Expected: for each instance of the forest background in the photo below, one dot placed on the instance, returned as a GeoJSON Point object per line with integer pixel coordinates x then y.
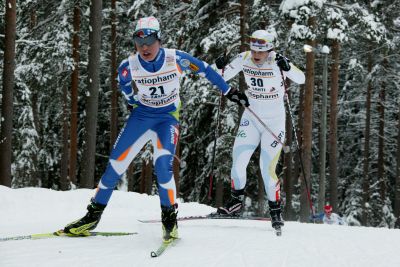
{"type": "Point", "coordinates": [61, 110]}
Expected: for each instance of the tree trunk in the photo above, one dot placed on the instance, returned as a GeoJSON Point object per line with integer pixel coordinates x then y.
{"type": "Point", "coordinates": [219, 192]}
{"type": "Point", "coordinates": [333, 179]}
{"type": "Point", "coordinates": [143, 178]}
{"type": "Point", "coordinates": [64, 184]}
{"type": "Point", "coordinates": [87, 180]}
{"type": "Point", "coordinates": [37, 178]}
{"type": "Point", "coordinates": [364, 218]}
{"type": "Point", "coordinates": [74, 95]}
{"type": "Point", "coordinates": [381, 144]}
{"type": "Point", "coordinates": [148, 177]}
{"type": "Point", "coordinates": [114, 86]}
{"type": "Point", "coordinates": [397, 181]}
{"type": "Point", "coordinates": [322, 142]}
{"type": "Point", "coordinates": [299, 133]}
{"type": "Point", "coordinates": [130, 178]}
{"type": "Point", "coordinates": [7, 94]}
{"type": "Point", "coordinates": [288, 182]}
{"type": "Point", "coordinates": [243, 42]}
{"type": "Point", "coordinates": [307, 131]}
{"type": "Point", "coordinates": [261, 193]}
{"type": "Point", "coordinates": [39, 173]}
{"type": "Point", "coordinates": [219, 186]}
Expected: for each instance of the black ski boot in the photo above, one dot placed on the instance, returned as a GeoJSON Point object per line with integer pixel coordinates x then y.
{"type": "Point", "coordinates": [169, 223]}
{"type": "Point", "coordinates": [235, 204]}
{"type": "Point", "coordinates": [88, 222]}
{"type": "Point", "coordinates": [276, 218]}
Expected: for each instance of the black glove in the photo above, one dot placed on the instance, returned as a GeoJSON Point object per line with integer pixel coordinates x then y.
{"type": "Point", "coordinates": [221, 62]}
{"type": "Point", "coordinates": [282, 62]}
{"type": "Point", "coordinates": [238, 97]}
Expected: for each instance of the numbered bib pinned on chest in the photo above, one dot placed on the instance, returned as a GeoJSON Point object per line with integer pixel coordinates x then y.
{"type": "Point", "coordinates": [157, 89]}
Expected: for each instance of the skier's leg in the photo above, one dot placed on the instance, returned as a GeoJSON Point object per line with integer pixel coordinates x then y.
{"type": "Point", "coordinates": [164, 142]}
{"type": "Point", "coordinates": [270, 153]}
{"type": "Point", "coordinates": [246, 141]}
{"type": "Point", "coordinates": [131, 139]}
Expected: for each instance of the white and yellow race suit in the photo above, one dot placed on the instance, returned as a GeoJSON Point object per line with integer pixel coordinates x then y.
{"type": "Point", "coordinates": [266, 92]}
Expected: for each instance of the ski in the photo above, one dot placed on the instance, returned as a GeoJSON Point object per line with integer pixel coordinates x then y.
{"type": "Point", "coordinates": [164, 245]}
{"type": "Point", "coordinates": [60, 233]}
{"type": "Point", "coordinates": [211, 216]}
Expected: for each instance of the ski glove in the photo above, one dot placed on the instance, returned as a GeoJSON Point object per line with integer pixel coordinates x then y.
{"type": "Point", "coordinates": [238, 97]}
{"type": "Point", "coordinates": [221, 62]}
{"type": "Point", "coordinates": [282, 62]}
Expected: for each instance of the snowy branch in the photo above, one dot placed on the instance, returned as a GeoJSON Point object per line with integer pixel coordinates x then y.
{"type": "Point", "coordinates": [337, 6]}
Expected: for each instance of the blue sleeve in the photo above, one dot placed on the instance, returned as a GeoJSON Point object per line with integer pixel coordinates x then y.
{"type": "Point", "coordinates": [317, 217]}
{"type": "Point", "coordinates": [125, 82]}
{"type": "Point", "coordinates": [188, 62]}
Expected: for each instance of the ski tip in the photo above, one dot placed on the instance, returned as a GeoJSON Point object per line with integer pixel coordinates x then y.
{"type": "Point", "coordinates": [153, 254]}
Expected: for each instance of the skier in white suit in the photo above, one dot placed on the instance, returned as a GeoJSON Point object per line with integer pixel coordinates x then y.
{"type": "Point", "coordinates": [263, 69]}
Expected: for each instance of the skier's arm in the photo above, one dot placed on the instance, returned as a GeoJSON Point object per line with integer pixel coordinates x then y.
{"type": "Point", "coordinates": [188, 62]}
{"type": "Point", "coordinates": [231, 69]}
{"type": "Point", "coordinates": [234, 67]}
{"type": "Point", "coordinates": [325, 220]}
{"type": "Point", "coordinates": [341, 220]}
{"type": "Point", "coordinates": [317, 217]}
{"type": "Point", "coordinates": [293, 73]}
{"type": "Point", "coordinates": [125, 82]}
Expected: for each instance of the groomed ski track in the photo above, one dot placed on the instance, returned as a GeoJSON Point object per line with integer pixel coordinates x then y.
{"type": "Point", "coordinates": [204, 242]}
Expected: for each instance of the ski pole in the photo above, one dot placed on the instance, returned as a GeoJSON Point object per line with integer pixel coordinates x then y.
{"type": "Point", "coordinates": [286, 149]}
{"type": "Point", "coordinates": [297, 146]}
{"type": "Point", "coordinates": [215, 140]}
{"type": "Point", "coordinates": [227, 51]}
{"type": "Point", "coordinates": [181, 162]}
{"type": "Point", "coordinates": [215, 146]}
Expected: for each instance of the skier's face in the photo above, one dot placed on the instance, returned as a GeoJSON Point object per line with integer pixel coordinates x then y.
{"type": "Point", "coordinates": [259, 57]}
{"type": "Point", "coordinates": [149, 52]}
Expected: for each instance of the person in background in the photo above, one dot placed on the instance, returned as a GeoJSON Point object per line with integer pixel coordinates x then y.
{"type": "Point", "coordinates": [264, 71]}
{"type": "Point", "coordinates": [155, 116]}
{"type": "Point", "coordinates": [329, 217]}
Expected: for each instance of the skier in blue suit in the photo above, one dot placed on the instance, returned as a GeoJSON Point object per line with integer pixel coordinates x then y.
{"type": "Point", "coordinates": [155, 100]}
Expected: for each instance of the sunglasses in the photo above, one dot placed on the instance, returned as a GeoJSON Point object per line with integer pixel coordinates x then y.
{"type": "Point", "coordinates": [258, 41]}
{"type": "Point", "coordinates": [145, 40]}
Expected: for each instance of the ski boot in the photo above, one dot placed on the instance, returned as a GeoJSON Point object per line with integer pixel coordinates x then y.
{"type": "Point", "coordinates": [88, 222]}
{"type": "Point", "coordinates": [276, 218]}
{"type": "Point", "coordinates": [169, 223]}
{"type": "Point", "coordinates": [234, 206]}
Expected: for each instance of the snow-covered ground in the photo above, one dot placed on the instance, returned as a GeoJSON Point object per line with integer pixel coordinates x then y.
{"type": "Point", "coordinates": [204, 242]}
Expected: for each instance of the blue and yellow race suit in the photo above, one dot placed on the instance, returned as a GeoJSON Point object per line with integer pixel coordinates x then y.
{"type": "Point", "coordinates": [155, 117]}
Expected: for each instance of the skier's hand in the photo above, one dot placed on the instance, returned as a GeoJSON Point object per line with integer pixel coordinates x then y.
{"type": "Point", "coordinates": [221, 62]}
{"type": "Point", "coordinates": [238, 97]}
{"type": "Point", "coordinates": [282, 62]}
